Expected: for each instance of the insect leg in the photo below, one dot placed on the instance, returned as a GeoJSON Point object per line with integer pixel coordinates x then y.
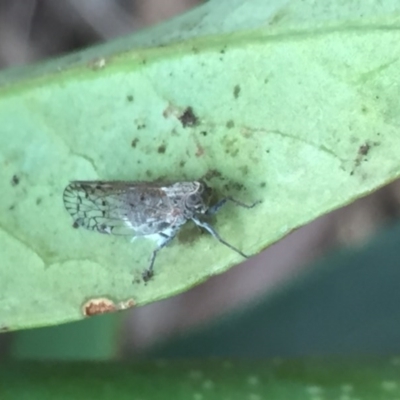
{"type": "Point", "coordinates": [148, 273]}
{"type": "Point", "coordinates": [213, 209]}
{"type": "Point", "coordinates": [211, 230]}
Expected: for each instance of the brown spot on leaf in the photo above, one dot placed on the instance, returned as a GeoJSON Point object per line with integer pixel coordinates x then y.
{"type": "Point", "coordinates": [134, 142]}
{"type": "Point", "coordinates": [15, 180]}
{"type": "Point", "coordinates": [188, 118]}
{"type": "Point", "coordinates": [129, 98]}
{"type": "Point", "coordinates": [161, 149]}
{"type": "Point", "coordinates": [362, 153]}
{"type": "Point", "coordinates": [364, 149]}
{"type": "Point", "coordinates": [98, 306]}
{"type": "Point", "coordinates": [104, 305]}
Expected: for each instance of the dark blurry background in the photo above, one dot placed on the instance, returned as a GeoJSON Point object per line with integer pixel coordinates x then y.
{"type": "Point", "coordinates": [277, 303]}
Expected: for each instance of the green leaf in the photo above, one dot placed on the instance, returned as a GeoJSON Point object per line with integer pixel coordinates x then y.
{"type": "Point", "coordinates": [323, 379]}
{"type": "Point", "coordinates": [293, 104]}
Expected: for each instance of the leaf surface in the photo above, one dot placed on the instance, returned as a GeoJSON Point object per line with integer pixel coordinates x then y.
{"type": "Point", "coordinates": [296, 108]}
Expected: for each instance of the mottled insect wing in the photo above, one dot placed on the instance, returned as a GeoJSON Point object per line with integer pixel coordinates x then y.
{"type": "Point", "coordinates": [97, 206]}
{"type": "Point", "coordinates": [125, 208]}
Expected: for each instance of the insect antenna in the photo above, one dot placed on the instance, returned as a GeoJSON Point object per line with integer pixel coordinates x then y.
{"type": "Point", "coordinates": [213, 209]}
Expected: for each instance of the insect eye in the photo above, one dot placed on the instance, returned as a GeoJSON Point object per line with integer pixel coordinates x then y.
{"type": "Point", "coordinates": [193, 199]}
{"type": "Point", "coordinates": [194, 202]}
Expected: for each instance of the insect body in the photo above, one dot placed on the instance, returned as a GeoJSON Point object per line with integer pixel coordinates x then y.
{"type": "Point", "coordinates": [151, 210]}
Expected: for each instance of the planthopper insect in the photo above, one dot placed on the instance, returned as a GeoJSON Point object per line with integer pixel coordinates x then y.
{"type": "Point", "coordinates": [152, 210]}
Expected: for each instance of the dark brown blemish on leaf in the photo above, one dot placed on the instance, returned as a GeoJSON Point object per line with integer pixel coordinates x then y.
{"type": "Point", "coordinates": [75, 225]}
{"type": "Point", "coordinates": [104, 305]}
{"type": "Point", "coordinates": [236, 91]}
{"type": "Point", "coordinates": [263, 184]}
{"type": "Point", "coordinates": [188, 118]}
{"type": "Point", "coordinates": [15, 180]}
{"type": "Point", "coordinates": [98, 306]}
{"type": "Point", "coordinates": [161, 149]}
{"type": "Point", "coordinates": [362, 153]}
{"type": "Point", "coordinates": [364, 149]}
{"type": "Point", "coordinates": [182, 163]}
{"type": "Point", "coordinates": [129, 98]}
{"type": "Point", "coordinates": [38, 201]}
{"type": "Point", "coordinates": [134, 142]}
{"type": "Point", "coordinates": [204, 133]}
